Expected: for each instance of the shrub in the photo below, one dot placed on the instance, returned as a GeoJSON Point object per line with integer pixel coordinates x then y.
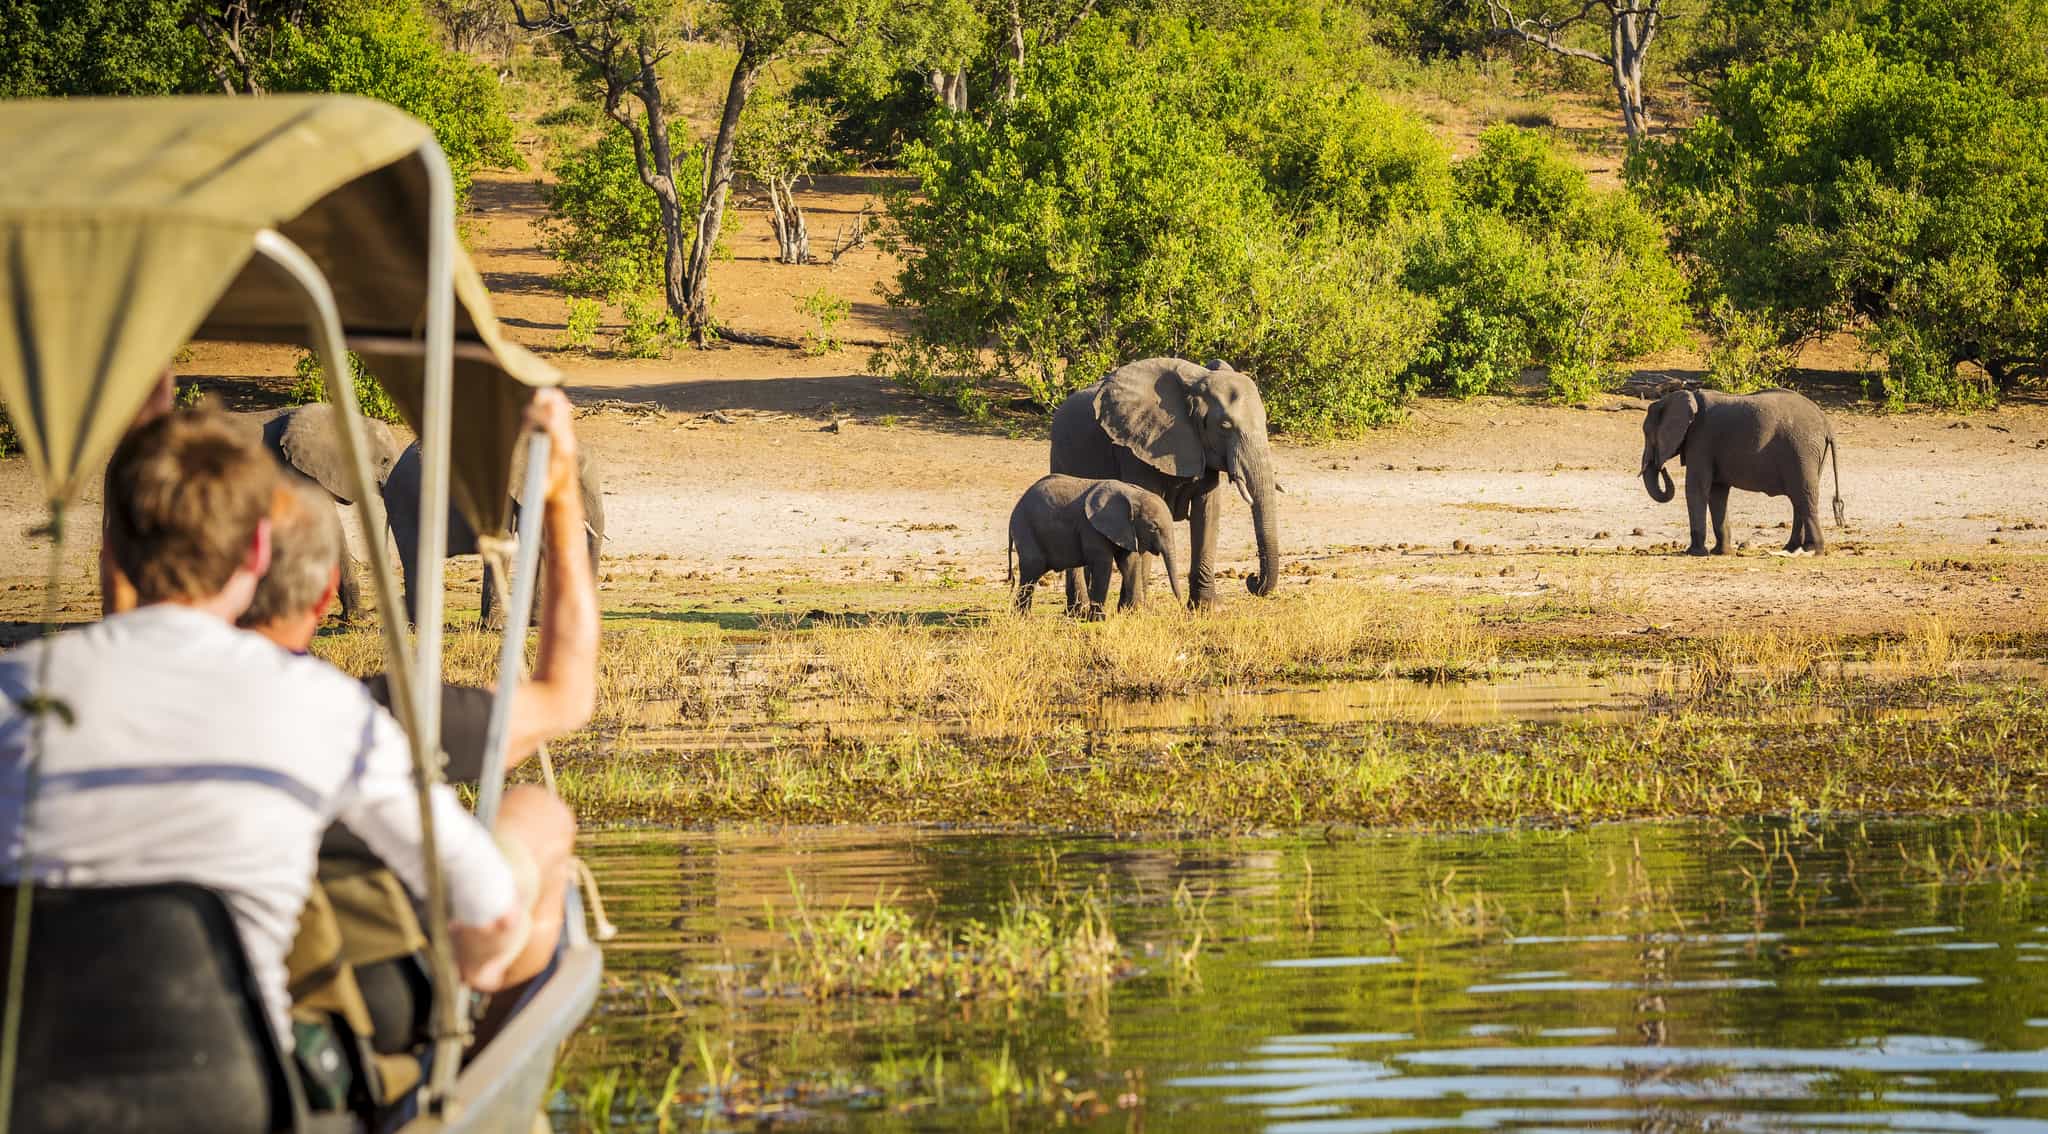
{"type": "Point", "coordinates": [1847, 191]}
{"type": "Point", "coordinates": [603, 225]}
{"type": "Point", "coordinates": [10, 442]}
{"type": "Point", "coordinates": [1749, 352]}
{"type": "Point", "coordinates": [579, 327]}
{"type": "Point", "coordinates": [1536, 269]}
{"type": "Point", "coordinates": [386, 49]}
{"type": "Point", "coordinates": [651, 330]}
{"type": "Point", "coordinates": [1094, 220]}
{"type": "Point", "coordinates": [1521, 176]}
{"type": "Point", "coordinates": [310, 385]}
{"type": "Point", "coordinates": [1351, 154]}
{"type": "Point", "coordinates": [827, 311]}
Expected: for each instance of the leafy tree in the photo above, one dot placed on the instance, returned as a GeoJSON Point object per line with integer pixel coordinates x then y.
{"type": "Point", "coordinates": [783, 141]}
{"type": "Point", "coordinates": [386, 49]}
{"type": "Point", "coordinates": [1621, 33]}
{"type": "Point", "coordinates": [86, 47]}
{"type": "Point", "coordinates": [381, 48]}
{"type": "Point", "coordinates": [1850, 191]}
{"type": "Point", "coordinates": [603, 225]}
{"type": "Point", "coordinates": [615, 48]}
{"type": "Point", "coordinates": [1105, 215]}
{"type": "Point", "coordinates": [1536, 269]}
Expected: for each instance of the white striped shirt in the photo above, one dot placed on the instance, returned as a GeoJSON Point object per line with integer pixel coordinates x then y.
{"type": "Point", "coordinates": [200, 753]}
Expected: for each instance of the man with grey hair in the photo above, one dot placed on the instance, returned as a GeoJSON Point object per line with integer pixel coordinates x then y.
{"type": "Point", "coordinates": [295, 596]}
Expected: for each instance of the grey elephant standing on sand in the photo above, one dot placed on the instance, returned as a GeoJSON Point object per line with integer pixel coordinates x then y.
{"type": "Point", "coordinates": [1773, 442]}
{"type": "Point", "coordinates": [1064, 522]}
{"type": "Point", "coordinates": [1177, 429]}
{"type": "Point", "coordinates": [402, 509]}
{"type": "Point", "coordinates": [305, 440]}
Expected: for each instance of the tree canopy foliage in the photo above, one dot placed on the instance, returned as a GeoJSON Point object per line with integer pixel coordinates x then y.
{"type": "Point", "coordinates": [1156, 189]}
{"type": "Point", "coordinates": [385, 49]}
{"type": "Point", "coordinates": [1848, 190]}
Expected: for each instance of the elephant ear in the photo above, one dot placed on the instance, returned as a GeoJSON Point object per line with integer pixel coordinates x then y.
{"type": "Point", "coordinates": [1143, 406]}
{"type": "Point", "coordinates": [310, 445]}
{"type": "Point", "coordinates": [1680, 409]}
{"type": "Point", "coordinates": [1108, 506]}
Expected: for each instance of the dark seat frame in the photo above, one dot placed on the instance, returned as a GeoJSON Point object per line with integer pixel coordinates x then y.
{"type": "Point", "coordinates": [141, 1016]}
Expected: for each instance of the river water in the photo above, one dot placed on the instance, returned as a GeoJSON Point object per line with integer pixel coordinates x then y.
{"type": "Point", "coordinates": [1863, 975]}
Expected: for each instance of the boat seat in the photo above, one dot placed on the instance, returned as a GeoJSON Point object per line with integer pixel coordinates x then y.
{"type": "Point", "coordinates": [141, 1017]}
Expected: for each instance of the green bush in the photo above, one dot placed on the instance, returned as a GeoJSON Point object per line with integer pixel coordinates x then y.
{"type": "Point", "coordinates": [1350, 154]}
{"type": "Point", "coordinates": [650, 331]}
{"type": "Point", "coordinates": [1748, 353]}
{"type": "Point", "coordinates": [387, 50]}
{"type": "Point", "coordinates": [1535, 269]}
{"type": "Point", "coordinates": [310, 385]}
{"type": "Point", "coordinates": [827, 311]}
{"type": "Point", "coordinates": [1095, 220]}
{"type": "Point", "coordinates": [603, 225]}
{"type": "Point", "coordinates": [579, 327]}
{"type": "Point", "coordinates": [10, 442]}
{"type": "Point", "coordinates": [1135, 202]}
{"type": "Point", "coordinates": [1848, 191]}
{"type": "Point", "coordinates": [1521, 176]}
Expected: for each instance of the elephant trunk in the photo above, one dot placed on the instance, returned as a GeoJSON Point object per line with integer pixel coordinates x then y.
{"type": "Point", "coordinates": [1658, 482]}
{"type": "Point", "coordinates": [1172, 558]}
{"type": "Point", "coordinates": [1252, 469]}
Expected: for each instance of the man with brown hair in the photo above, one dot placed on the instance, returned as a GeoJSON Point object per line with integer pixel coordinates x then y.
{"type": "Point", "coordinates": [177, 748]}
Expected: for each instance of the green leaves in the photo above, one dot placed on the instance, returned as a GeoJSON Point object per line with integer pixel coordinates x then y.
{"type": "Point", "coordinates": [1848, 191]}
{"type": "Point", "coordinates": [604, 225]}
{"type": "Point", "coordinates": [385, 49]}
{"type": "Point", "coordinates": [1183, 198]}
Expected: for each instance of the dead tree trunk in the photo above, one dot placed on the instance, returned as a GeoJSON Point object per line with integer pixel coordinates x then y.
{"type": "Point", "coordinates": [792, 232]}
{"type": "Point", "coordinates": [1632, 26]}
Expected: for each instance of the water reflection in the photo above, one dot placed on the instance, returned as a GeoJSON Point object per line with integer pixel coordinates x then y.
{"type": "Point", "coordinates": [1672, 977]}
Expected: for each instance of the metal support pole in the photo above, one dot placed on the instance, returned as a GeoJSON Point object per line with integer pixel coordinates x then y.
{"type": "Point", "coordinates": [512, 651]}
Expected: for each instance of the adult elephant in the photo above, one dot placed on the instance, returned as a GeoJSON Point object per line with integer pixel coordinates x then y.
{"type": "Point", "coordinates": [1178, 428]}
{"type": "Point", "coordinates": [1773, 442]}
{"type": "Point", "coordinates": [305, 440]}
{"type": "Point", "coordinates": [402, 509]}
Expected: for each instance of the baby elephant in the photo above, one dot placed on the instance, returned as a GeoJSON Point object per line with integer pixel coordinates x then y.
{"type": "Point", "coordinates": [1065, 522]}
{"type": "Point", "coordinates": [1772, 442]}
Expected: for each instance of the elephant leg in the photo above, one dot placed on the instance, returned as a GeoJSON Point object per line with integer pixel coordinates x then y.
{"type": "Point", "coordinates": [1717, 506]}
{"type": "Point", "coordinates": [408, 561]}
{"type": "Point", "coordinates": [1075, 593]}
{"type": "Point", "coordinates": [1806, 525]}
{"type": "Point", "coordinates": [496, 598]}
{"type": "Point", "coordinates": [1699, 480]}
{"type": "Point", "coordinates": [1130, 565]}
{"type": "Point", "coordinates": [1140, 564]}
{"type": "Point", "coordinates": [1205, 516]}
{"type": "Point", "coordinates": [351, 592]}
{"type": "Point", "coordinates": [1099, 566]}
{"type": "Point", "coordinates": [1030, 569]}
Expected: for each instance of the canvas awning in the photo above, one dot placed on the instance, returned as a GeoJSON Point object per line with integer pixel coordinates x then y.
{"type": "Point", "coordinates": [127, 230]}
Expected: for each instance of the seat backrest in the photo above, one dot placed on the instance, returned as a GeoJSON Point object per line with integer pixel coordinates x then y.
{"type": "Point", "coordinates": [140, 1016]}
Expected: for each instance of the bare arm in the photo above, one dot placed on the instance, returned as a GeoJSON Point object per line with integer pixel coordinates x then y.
{"type": "Point", "coordinates": [560, 695]}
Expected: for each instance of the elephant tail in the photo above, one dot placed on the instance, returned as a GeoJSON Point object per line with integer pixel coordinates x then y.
{"type": "Point", "coordinates": [1835, 458]}
{"type": "Point", "coordinates": [1010, 561]}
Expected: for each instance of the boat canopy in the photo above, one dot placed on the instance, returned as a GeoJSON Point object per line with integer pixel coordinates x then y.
{"type": "Point", "coordinates": [128, 227]}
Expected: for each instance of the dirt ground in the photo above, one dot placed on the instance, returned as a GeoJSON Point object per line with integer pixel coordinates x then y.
{"type": "Point", "coordinates": [735, 466]}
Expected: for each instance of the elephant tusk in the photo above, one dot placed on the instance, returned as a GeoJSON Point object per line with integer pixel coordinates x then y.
{"type": "Point", "coordinates": [1241, 489]}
